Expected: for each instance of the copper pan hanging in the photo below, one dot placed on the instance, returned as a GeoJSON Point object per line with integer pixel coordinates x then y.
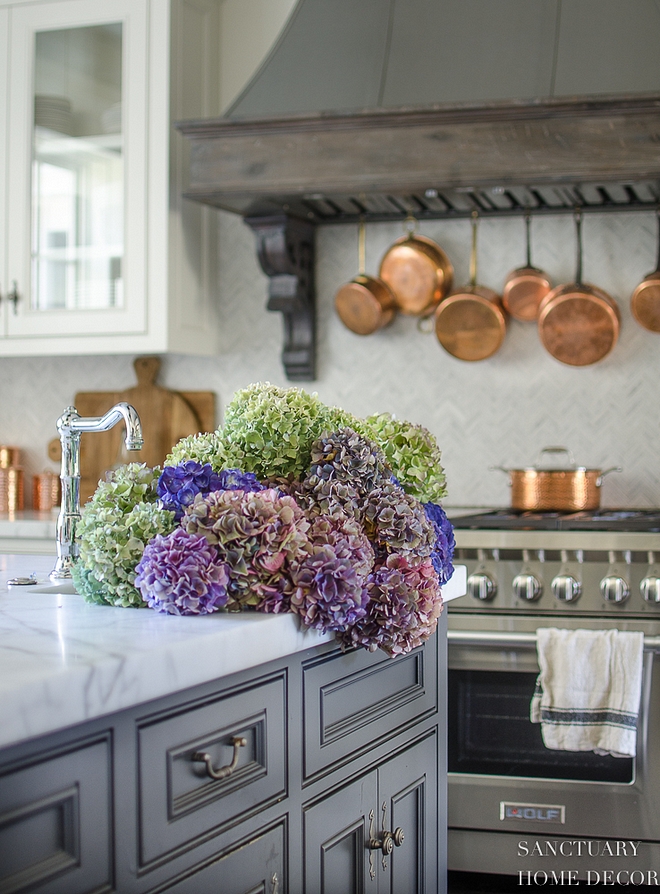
{"type": "Point", "coordinates": [470, 323]}
{"type": "Point", "coordinates": [366, 303]}
{"type": "Point", "coordinates": [645, 300]}
{"type": "Point", "coordinates": [578, 323]}
{"type": "Point", "coordinates": [417, 270]}
{"type": "Point", "coordinates": [525, 287]}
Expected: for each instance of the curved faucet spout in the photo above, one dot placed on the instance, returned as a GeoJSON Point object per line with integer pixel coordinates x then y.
{"type": "Point", "coordinates": [71, 425]}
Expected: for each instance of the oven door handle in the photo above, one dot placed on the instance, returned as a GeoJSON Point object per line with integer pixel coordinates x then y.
{"type": "Point", "coordinates": [510, 640]}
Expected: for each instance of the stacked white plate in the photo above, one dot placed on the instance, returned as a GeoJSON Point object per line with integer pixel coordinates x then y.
{"type": "Point", "coordinates": [111, 119]}
{"type": "Point", "coordinates": [53, 112]}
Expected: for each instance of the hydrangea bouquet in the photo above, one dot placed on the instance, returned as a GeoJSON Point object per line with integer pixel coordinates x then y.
{"type": "Point", "coordinates": [292, 506]}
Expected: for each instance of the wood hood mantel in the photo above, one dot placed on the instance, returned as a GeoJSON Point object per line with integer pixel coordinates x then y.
{"type": "Point", "coordinates": [286, 175]}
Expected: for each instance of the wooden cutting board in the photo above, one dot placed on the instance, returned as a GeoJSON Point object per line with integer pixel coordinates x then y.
{"type": "Point", "coordinates": [166, 417]}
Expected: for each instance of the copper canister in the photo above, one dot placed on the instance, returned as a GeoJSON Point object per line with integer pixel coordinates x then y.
{"type": "Point", "coordinates": [11, 490]}
{"type": "Point", "coordinates": [9, 456]}
{"type": "Point", "coordinates": [45, 491]}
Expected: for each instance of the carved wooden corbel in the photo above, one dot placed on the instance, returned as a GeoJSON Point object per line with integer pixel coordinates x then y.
{"type": "Point", "coordinates": [285, 248]}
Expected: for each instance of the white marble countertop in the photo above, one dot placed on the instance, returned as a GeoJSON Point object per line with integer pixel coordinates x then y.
{"type": "Point", "coordinates": [64, 661]}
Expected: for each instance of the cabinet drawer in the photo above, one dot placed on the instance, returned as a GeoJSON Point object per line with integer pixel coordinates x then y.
{"type": "Point", "coordinates": [55, 823]}
{"type": "Point", "coordinates": [243, 735]}
{"type": "Point", "coordinates": [255, 866]}
{"type": "Point", "coordinates": [353, 701]}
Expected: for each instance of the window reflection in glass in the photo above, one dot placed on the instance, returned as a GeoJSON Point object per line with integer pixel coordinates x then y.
{"type": "Point", "coordinates": [78, 169]}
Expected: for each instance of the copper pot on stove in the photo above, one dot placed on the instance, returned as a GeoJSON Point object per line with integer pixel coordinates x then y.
{"type": "Point", "coordinates": [525, 287]}
{"type": "Point", "coordinates": [366, 303]}
{"type": "Point", "coordinates": [470, 323]}
{"type": "Point", "coordinates": [545, 487]}
{"type": "Point", "coordinates": [417, 270]}
{"type": "Point", "coordinates": [579, 323]}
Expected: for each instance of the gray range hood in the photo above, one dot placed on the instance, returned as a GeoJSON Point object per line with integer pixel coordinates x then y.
{"type": "Point", "coordinates": [350, 55]}
{"type": "Point", "coordinates": [377, 109]}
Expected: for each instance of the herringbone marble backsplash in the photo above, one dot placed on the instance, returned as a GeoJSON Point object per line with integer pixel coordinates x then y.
{"type": "Point", "coordinates": [501, 411]}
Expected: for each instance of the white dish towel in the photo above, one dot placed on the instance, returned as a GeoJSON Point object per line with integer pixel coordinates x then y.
{"type": "Point", "coordinates": [588, 692]}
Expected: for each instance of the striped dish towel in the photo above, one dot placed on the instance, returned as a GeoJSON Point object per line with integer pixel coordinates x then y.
{"type": "Point", "coordinates": [588, 692]}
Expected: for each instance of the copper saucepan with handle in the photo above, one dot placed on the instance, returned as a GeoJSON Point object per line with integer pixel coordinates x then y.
{"type": "Point", "coordinates": [470, 323]}
{"type": "Point", "coordinates": [579, 323]}
{"type": "Point", "coordinates": [417, 270]}
{"type": "Point", "coordinates": [366, 303]}
{"type": "Point", "coordinates": [525, 287]}
{"type": "Point", "coordinates": [645, 300]}
{"type": "Point", "coordinates": [551, 488]}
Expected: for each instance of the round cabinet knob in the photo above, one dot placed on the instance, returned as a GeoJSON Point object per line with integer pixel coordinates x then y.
{"type": "Point", "coordinates": [480, 585]}
{"type": "Point", "coordinates": [614, 588]}
{"type": "Point", "coordinates": [527, 586]}
{"type": "Point", "coordinates": [566, 588]}
{"type": "Point", "coordinates": [650, 588]}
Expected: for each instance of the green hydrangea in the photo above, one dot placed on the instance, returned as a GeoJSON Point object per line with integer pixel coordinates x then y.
{"type": "Point", "coordinates": [116, 524]}
{"type": "Point", "coordinates": [205, 447]}
{"type": "Point", "coordinates": [269, 431]}
{"type": "Point", "coordinates": [413, 454]}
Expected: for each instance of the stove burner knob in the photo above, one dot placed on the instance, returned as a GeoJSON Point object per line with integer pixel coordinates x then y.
{"type": "Point", "coordinates": [527, 586]}
{"type": "Point", "coordinates": [614, 588]}
{"type": "Point", "coordinates": [480, 585]}
{"type": "Point", "coordinates": [650, 588]}
{"type": "Point", "coordinates": [566, 588]}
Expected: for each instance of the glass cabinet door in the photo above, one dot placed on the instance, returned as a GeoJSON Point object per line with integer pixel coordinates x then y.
{"type": "Point", "coordinates": [77, 198]}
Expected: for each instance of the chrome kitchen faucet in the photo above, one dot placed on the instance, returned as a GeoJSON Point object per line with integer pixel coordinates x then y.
{"type": "Point", "coordinates": [71, 425]}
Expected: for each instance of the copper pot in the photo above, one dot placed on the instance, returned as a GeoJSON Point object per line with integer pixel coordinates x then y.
{"type": "Point", "coordinates": [366, 303]}
{"type": "Point", "coordinates": [470, 323]}
{"type": "Point", "coordinates": [645, 300]}
{"type": "Point", "coordinates": [550, 489]}
{"type": "Point", "coordinates": [525, 287]}
{"type": "Point", "coordinates": [418, 271]}
{"type": "Point", "coordinates": [579, 323]}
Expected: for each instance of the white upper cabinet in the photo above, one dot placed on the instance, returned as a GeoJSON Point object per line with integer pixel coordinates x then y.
{"type": "Point", "coordinates": [99, 252]}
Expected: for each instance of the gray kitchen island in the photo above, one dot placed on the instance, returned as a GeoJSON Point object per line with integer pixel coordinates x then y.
{"type": "Point", "coordinates": [225, 753]}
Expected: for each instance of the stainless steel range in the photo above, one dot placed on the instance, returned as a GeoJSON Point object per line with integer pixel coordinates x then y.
{"type": "Point", "coordinates": [516, 807]}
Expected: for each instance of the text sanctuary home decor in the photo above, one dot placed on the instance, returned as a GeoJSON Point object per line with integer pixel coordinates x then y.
{"type": "Point", "coordinates": [291, 506]}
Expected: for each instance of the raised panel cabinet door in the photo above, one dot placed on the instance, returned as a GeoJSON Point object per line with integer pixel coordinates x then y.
{"type": "Point", "coordinates": [337, 858]}
{"type": "Point", "coordinates": [408, 793]}
{"type": "Point", "coordinates": [255, 866]}
{"type": "Point", "coordinates": [56, 823]}
{"type": "Point", "coordinates": [77, 161]}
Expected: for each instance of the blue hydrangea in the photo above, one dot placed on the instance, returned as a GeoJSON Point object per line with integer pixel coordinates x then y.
{"type": "Point", "coordinates": [442, 554]}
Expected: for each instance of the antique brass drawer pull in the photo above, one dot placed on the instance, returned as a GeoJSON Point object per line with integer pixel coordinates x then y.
{"type": "Point", "coordinates": [238, 742]}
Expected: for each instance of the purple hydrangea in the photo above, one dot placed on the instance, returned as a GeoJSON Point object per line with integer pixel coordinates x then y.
{"type": "Point", "coordinates": [396, 523]}
{"type": "Point", "coordinates": [329, 593]}
{"type": "Point", "coordinates": [403, 609]}
{"type": "Point", "coordinates": [442, 554]}
{"type": "Point", "coordinates": [179, 485]}
{"type": "Point", "coordinates": [181, 574]}
{"type": "Point", "coordinates": [259, 535]}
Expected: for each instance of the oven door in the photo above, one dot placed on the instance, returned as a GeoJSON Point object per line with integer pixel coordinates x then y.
{"type": "Point", "coordinates": [506, 790]}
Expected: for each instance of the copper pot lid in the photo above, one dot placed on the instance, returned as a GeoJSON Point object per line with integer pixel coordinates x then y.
{"type": "Point", "coordinates": [470, 323]}
{"type": "Point", "coordinates": [418, 271]}
{"type": "Point", "coordinates": [366, 304]}
{"type": "Point", "coordinates": [645, 300]}
{"type": "Point", "coordinates": [525, 287]}
{"type": "Point", "coordinates": [579, 323]}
